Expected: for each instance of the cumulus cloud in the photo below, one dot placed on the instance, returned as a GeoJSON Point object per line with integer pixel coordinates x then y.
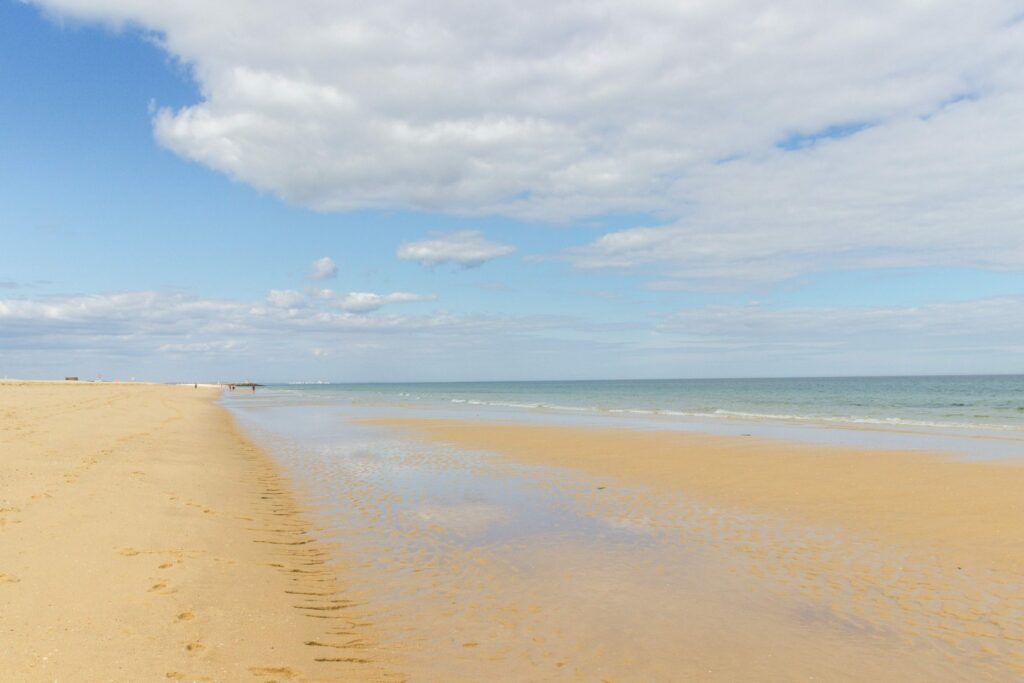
{"type": "Point", "coordinates": [158, 315]}
{"type": "Point", "coordinates": [174, 336]}
{"type": "Point", "coordinates": [285, 298]}
{"type": "Point", "coordinates": [941, 190]}
{"type": "Point", "coordinates": [366, 302]}
{"type": "Point", "coordinates": [323, 269]}
{"type": "Point", "coordinates": [767, 138]}
{"type": "Point", "coordinates": [467, 248]}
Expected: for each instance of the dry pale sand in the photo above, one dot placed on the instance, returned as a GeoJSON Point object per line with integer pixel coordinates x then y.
{"type": "Point", "coordinates": [971, 511]}
{"type": "Point", "coordinates": [143, 538]}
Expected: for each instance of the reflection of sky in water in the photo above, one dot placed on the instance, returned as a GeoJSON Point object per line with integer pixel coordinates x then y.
{"type": "Point", "coordinates": [477, 543]}
{"type": "Point", "coordinates": [441, 489]}
{"type": "Point", "coordinates": [978, 444]}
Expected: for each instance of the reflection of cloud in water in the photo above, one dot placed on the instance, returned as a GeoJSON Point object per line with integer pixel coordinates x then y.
{"type": "Point", "coordinates": [463, 518]}
{"type": "Point", "coordinates": [642, 525]}
{"type": "Point", "coordinates": [362, 463]}
{"type": "Point", "coordinates": [358, 463]}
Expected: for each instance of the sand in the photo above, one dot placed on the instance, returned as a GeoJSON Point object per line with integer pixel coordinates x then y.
{"type": "Point", "coordinates": [766, 560]}
{"type": "Point", "coordinates": [972, 511]}
{"type": "Point", "coordinates": [143, 538]}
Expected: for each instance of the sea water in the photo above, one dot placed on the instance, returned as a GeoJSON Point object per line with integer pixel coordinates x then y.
{"type": "Point", "coordinates": [991, 402]}
{"type": "Point", "coordinates": [972, 416]}
{"type": "Point", "coordinates": [477, 568]}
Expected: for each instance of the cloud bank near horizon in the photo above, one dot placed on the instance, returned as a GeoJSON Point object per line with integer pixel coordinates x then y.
{"type": "Point", "coordinates": [289, 333]}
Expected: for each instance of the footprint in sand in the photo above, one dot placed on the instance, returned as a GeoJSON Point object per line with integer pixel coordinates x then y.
{"type": "Point", "coordinates": [185, 616]}
{"type": "Point", "coordinates": [277, 671]}
{"type": "Point", "coordinates": [195, 646]}
{"type": "Point", "coordinates": [7, 578]}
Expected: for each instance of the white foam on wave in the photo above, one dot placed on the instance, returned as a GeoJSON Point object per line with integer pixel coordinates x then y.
{"type": "Point", "coordinates": [881, 421]}
{"type": "Point", "coordinates": [743, 415]}
{"type": "Point", "coordinates": [724, 414]}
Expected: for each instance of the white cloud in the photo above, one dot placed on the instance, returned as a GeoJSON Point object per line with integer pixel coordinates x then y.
{"type": "Point", "coordinates": [936, 191]}
{"type": "Point", "coordinates": [994, 323]}
{"type": "Point", "coordinates": [286, 298]}
{"type": "Point", "coordinates": [202, 347]}
{"type": "Point", "coordinates": [467, 248]}
{"type": "Point", "coordinates": [323, 269]}
{"type": "Point", "coordinates": [157, 315]}
{"type": "Point", "coordinates": [769, 138]}
{"type": "Point", "coordinates": [177, 336]}
{"type": "Point", "coordinates": [216, 338]}
{"type": "Point", "coordinates": [367, 302]}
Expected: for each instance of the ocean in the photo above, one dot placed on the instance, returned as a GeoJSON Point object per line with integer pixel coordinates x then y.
{"type": "Point", "coordinates": [974, 416]}
{"type": "Point", "coordinates": [988, 403]}
{"type": "Point", "coordinates": [531, 567]}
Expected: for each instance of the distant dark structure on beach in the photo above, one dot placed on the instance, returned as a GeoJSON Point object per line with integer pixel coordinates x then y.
{"type": "Point", "coordinates": [244, 384]}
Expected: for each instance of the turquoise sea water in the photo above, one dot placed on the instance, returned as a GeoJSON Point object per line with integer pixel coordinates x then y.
{"type": "Point", "coordinates": [554, 574]}
{"type": "Point", "coordinates": [960, 403]}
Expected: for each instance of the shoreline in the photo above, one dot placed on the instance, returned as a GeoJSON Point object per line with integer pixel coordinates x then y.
{"type": "Point", "coordinates": [144, 537]}
{"type": "Point", "coordinates": [560, 552]}
{"type": "Point", "coordinates": [976, 444]}
{"type": "Point", "coordinates": [168, 545]}
{"type": "Point", "coordinates": [970, 510]}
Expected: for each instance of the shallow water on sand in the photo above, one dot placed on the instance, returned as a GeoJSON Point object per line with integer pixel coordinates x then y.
{"type": "Point", "coordinates": [476, 568]}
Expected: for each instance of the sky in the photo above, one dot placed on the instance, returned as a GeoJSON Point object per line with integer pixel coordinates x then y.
{"type": "Point", "coordinates": [325, 190]}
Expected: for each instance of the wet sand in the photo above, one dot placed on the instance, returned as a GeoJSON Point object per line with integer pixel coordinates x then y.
{"type": "Point", "coordinates": [143, 538]}
{"type": "Point", "coordinates": [763, 560]}
{"type": "Point", "coordinates": [973, 511]}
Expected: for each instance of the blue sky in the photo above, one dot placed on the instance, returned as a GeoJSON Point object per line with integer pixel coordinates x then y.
{"type": "Point", "coordinates": [160, 181]}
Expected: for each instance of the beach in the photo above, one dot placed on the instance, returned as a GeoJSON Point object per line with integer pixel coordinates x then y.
{"type": "Point", "coordinates": [971, 512]}
{"type": "Point", "coordinates": [142, 538]}
{"type": "Point", "coordinates": [454, 342]}
{"type": "Point", "coordinates": [169, 533]}
{"type": "Point", "coordinates": [530, 544]}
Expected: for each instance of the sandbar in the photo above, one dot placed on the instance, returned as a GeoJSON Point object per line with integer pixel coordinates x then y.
{"type": "Point", "coordinates": [971, 510]}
